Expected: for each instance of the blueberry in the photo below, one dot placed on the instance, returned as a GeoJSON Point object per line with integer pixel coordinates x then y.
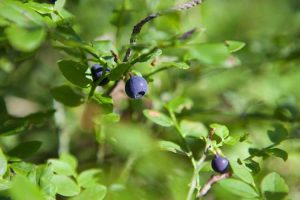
{"type": "Point", "coordinates": [136, 87]}
{"type": "Point", "coordinates": [96, 71]}
{"type": "Point", "coordinates": [220, 164]}
{"type": "Point", "coordinates": [53, 1]}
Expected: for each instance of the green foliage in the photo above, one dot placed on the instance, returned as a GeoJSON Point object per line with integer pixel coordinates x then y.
{"type": "Point", "coordinates": [219, 76]}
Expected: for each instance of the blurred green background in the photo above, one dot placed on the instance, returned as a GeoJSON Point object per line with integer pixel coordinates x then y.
{"type": "Point", "coordinates": [249, 93]}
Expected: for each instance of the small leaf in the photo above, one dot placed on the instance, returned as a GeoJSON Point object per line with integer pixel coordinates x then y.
{"type": "Point", "coordinates": [274, 187]}
{"type": "Point", "coordinates": [25, 149]}
{"type": "Point", "coordinates": [278, 153]}
{"type": "Point", "coordinates": [88, 178]}
{"type": "Point", "coordinates": [61, 167]}
{"type": "Point", "coordinates": [234, 46]}
{"type": "Point", "coordinates": [70, 159]}
{"type": "Point", "coordinates": [74, 72]}
{"type": "Point", "coordinates": [67, 96]}
{"type": "Point", "coordinates": [158, 118]}
{"type": "Point", "coordinates": [101, 99]}
{"type": "Point", "coordinates": [232, 140]}
{"type": "Point", "coordinates": [253, 166]}
{"type": "Point", "coordinates": [193, 129]}
{"type": "Point", "coordinates": [12, 127]}
{"type": "Point", "coordinates": [110, 118]}
{"type": "Point", "coordinates": [278, 134]}
{"type": "Point", "coordinates": [22, 168]}
{"type": "Point", "coordinates": [65, 186]}
{"type": "Point", "coordinates": [220, 130]}
{"type": "Point", "coordinates": [25, 39]}
{"type": "Point", "coordinates": [179, 103]}
{"type": "Point", "coordinates": [96, 192]}
{"type": "Point", "coordinates": [3, 164]}
{"type": "Point", "coordinates": [23, 189]}
{"type": "Point", "coordinates": [170, 146]}
{"type": "Point", "coordinates": [117, 72]}
{"type": "Point", "coordinates": [241, 172]}
{"type": "Point", "coordinates": [148, 55]}
{"type": "Point", "coordinates": [44, 177]}
{"type": "Point", "coordinates": [42, 8]}
{"type": "Point", "coordinates": [238, 188]}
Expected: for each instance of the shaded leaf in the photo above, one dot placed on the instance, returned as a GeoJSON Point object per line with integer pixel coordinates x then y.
{"type": "Point", "coordinates": [74, 72]}
{"type": "Point", "coordinates": [25, 149]}
{"type": "Point", "coordinates": [278, 134]}
{"type": "Point", "coordinates": [12, 127]}
{"type": "Point", "coordinates": [220, 130]}
{"type": "Point", "coordinates": [67, 96]}
{"type": "Point", "coordinates": [158, 118]}
{"type": "Point", "coordinates": [274, 187]}
{"type": "Point", "coordinates": [278, 153]}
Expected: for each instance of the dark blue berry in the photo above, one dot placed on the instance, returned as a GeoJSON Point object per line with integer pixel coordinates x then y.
{"type": "Point", "coordinates": [220, 164]}
{"type": "Point", "coordinates": [97, 71]}
{"type": "Point", "coordinates": [53, 1]}
{"type": "Point", "coordinates": [136, 87]}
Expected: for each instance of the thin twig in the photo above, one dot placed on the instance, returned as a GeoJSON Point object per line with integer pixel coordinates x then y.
{"type": "Point", "coordinates": [214, 179]}
{"type": "Point", "coordinates": [138, 27]}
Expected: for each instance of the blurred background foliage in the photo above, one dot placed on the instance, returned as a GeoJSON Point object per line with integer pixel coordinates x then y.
{"type": "Point", "coordinates": [248, 92]}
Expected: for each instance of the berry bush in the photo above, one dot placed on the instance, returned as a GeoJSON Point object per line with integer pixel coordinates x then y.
{"type": "Point", "coordinates": [131, 99]}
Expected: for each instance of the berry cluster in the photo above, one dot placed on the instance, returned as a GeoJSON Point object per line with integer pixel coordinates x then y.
{"type": "Point", "coordinates": [135, 87]}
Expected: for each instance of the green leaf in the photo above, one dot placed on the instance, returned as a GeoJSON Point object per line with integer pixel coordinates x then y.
{"type": "Point", "coordinates": [220, 130]}
{"type": "Point", "coordinates": [88, 178]}
{"type": "Point", "coordinates": [179, 103]}
{"type": "Point", "coordinates": [12, 127]}
{"type": "Point", "coordinates": [23, 189]}
{"type": "Point", "coordinates": [66, 95]}
{"type": "Point", "coordinates": [70, 159]}
{"type": "Point", "coordinates": [278, 134]}
{"type": "Point", "coordinates": [274, 187]}
{"type": "Point", "coordinates": [241, 172]}
{"type": "Point", "coordinates": [110, 118]}
{"type": "Point", "coordinates": [4, 184]}
{"type": "Point", "coordinates": [74, 72]}
{"type": "Point", "coordinates": [3, 163]}
{"type": "Point", "coordinates": [96, 192]}
{"type": "Point", "coordinates": [59, 4]}
{"type": "Point", "coordinates": [158, 118]}
{"type": "Point", "coordinates": [193, 129]}
{"type": "Point", "coordinates": [117, 72]}
{"type": "Point", "coordinates": [278, 153]}
{"type": "Point", "coordinates": [44, 177]}
{"type": "Point", "coordinates": [238, 188]}
{"type": "Point", "coordinates": [148, 55]}
{"type": "Point", "coordinates": [232, 140]}
{"type": "Point", "coordinates": [179, 65]}
{"type": "Point", "coordinates": [42, 8]}
{"type": "Point", "coordinates": [234, 46]}
{"type": "Point", "coordinates": [254, 166]}
{"type": "Point", "coordinates": [61, 167]}
{"type": "Point", "coordinates": [25, 39]}
{"type": "Point", "coordinates": [65, 186]}
{"type": "Point", "coordinates": [22, 168]}
{"type": "Point", "coordinates": [25, 149]}
{"type": "Point", "coordinates": [208, 53]}
{"type": "Point", "coordinates": [170, 146]}
{"type": "Point", "coordinates": [101, 99]}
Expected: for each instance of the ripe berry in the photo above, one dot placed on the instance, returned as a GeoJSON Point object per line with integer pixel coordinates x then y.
{"type": "Point", "coordinates": [220, 164]}
{"type": "Point", "coordinates": [136, 87]}
{"type": "Point", "coordinates": [97, 71]}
